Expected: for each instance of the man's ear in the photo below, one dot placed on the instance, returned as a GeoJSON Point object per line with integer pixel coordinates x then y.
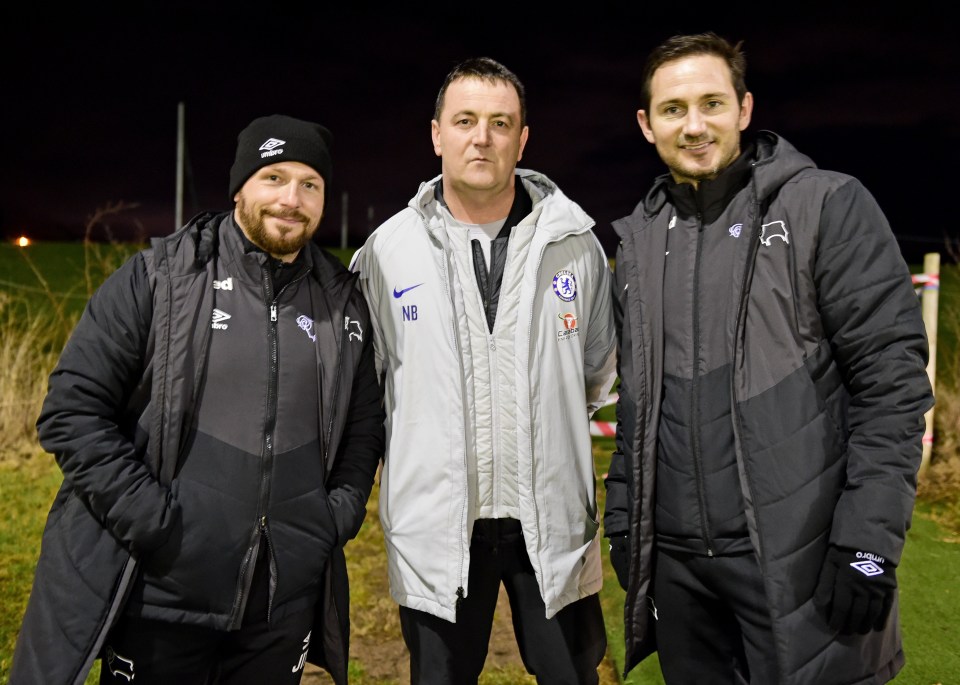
{"type": "Point", "coordinates": [645, 125]}
{"type": "Point", "coordinates": [435, 134]}
{"type": "Point", "coordinates": [746, 110]}
{"type": "Point", "coordinates": [523, 141]}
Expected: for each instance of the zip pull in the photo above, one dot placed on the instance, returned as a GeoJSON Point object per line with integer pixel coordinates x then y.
{"type": "Point", "coordinates": [459, 598]}
{"type": "Point", "coordinates": [273, 313]}
{"type": "Point", "coordinates": [263, 523]}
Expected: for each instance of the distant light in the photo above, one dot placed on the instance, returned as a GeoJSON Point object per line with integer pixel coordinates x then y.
{"type": "Point", "coordinates": [22, 241]}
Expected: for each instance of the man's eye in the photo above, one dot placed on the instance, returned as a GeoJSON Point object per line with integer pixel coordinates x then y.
{"type": "Point", "coordinates": [671, 111]}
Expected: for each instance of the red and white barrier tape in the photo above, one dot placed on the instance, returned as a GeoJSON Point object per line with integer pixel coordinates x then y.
{"type": "Point", "coordinates": [928, 281]}
{"type": "Point", "coordinates": [603, 429]}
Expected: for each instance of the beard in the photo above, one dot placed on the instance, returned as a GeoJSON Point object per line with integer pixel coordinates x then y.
{"type": "Point", "coordinates": [692, 175]}
{"type": "Point", "coordinates": [696, 174]}
{"type": "Point", "coordinates": [286, 241]}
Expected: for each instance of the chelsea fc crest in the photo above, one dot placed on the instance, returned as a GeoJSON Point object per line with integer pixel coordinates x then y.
{"type": "Point", "coordinates": [565, 286]}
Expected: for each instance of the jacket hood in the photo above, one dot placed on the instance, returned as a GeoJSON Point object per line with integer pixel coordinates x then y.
{"type": "Point", "coordinates": [553, 212]}
{"type": "Point", "coordinates": [326, 268]}
{"type": "Point", "coordinates": [777, 161]}
{"type": "Point", "coordinates": [205, 239]}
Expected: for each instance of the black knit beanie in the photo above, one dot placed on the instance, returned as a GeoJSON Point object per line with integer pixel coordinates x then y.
{"type": "Point", "coordinates": [278, 138]}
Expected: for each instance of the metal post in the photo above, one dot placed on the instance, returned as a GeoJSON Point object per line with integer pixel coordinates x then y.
{"type": "Point", "coordinates": [343, 220]}
{"type": "Point", "coordinates": [178, 212]}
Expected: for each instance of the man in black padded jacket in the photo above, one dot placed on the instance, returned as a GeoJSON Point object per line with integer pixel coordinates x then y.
{"type": "Point", "coordinates": [773, 388]}
{"type": "Point", "coordinates": [218, 422]}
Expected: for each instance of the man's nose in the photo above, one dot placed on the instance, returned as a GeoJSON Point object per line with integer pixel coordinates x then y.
{"type": "Point", "coordinates": [695, 124]}
{"type": "Point", "coordinates": [290, 194]}
{"type": "Point", "coordinates": [481, 135]}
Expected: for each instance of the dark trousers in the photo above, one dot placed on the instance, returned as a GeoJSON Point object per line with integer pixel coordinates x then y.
{"type": "Point", "coordinates": [149, 652]}
{"type": "Point", "coordinates": [713, 623]}
{"type": "Point", "coordinates": [566, 649]}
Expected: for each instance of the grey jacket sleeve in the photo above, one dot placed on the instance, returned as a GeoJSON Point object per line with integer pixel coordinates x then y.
{"type": "Point", "coordinates": [600, 348]}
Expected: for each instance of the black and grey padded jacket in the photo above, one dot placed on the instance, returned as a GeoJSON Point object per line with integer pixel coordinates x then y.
{"type": "Point", "coordinates": [121, 413]}
{"type": "Point", "coordinates": [828, 392]}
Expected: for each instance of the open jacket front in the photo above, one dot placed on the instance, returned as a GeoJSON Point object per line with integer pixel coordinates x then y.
{"type": "Point", "coordinates": [457, 393]}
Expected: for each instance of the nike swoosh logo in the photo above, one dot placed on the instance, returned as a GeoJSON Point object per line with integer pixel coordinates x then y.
{"type": "Point", "coordinates": [399, 293]}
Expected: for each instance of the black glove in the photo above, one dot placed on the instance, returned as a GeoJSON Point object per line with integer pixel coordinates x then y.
{"type": "Point", "coordinates": [855, 590]}
{"type": "Point", "coordinates": [620, 558]}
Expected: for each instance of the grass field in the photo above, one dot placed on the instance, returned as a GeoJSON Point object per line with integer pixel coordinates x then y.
{"type": "Point", "coordinates": [55, 281]}
{"type": "Point", "coordinates": [930, 596]}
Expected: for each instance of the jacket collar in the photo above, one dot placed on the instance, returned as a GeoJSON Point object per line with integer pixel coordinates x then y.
{"type": "Point", "coordinates": [711, 197]}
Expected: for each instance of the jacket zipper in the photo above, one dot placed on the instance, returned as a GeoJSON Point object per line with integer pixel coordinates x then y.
{"type": "Point", "coordinates": [530, 413]}
{"type": "Point", "coordinates": [266, 461]}
{"type": "Point", "coordinates": [460, 592]}
{"type": "Point", "coordinates": [694, 394]}
{"type": "Point", "coordinates": [336, 393]}
{"type": "Point", "coordinates": [735, 413]}
{"type": "Point", "coordinates": [496, 471]}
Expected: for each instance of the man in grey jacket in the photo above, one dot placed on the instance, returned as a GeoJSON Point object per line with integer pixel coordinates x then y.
{"type": "Point", "coordinates": [493, 332]}
{"type": "Point", "coordinates": [218, 422]}
{"type": "Point", "coordinates": [773, 388]}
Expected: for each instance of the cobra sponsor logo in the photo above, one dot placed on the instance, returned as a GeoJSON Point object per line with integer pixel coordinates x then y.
{"type": "Point", "coordinates": [570, 329]}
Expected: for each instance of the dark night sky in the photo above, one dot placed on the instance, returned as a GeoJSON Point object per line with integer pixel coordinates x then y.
{"type": "Point", "coordinates": [90, 101]}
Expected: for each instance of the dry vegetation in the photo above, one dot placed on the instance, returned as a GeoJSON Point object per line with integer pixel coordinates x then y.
{"type": "Point", "coordinates": [940, 484]}
{"type": "Point", "coordinates": [26, 361]}
{"type": "Point", "coordinates": [35, 324]}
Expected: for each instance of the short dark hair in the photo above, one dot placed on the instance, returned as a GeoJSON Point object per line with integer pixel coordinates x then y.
{"type": "Point", "coordinates": [489, 70]}
{"type": "Point", "coordinates": [708, 43]}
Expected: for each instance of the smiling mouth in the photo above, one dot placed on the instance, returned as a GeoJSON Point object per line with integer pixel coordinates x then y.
{"type": "Point", "coordinates": [293, 217]}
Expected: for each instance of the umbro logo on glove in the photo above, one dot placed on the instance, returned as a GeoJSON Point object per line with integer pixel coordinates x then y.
{"type": "Point", "coordinates": [868, 564]}
{"type": "Point", "coordinates": [855, 591]}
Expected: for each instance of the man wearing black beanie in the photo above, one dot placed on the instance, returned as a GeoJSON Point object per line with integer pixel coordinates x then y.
{"type": "Point", "coordinates": [281, 143]}
{"type": "Point", "coordinates": [217, 418]}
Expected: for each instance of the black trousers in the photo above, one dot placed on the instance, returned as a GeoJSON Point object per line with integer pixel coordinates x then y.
{"type": "Point", "coordinates": [713, 623]}
{"type": "Point", "coordinates": [567, 649]}
{"type": "Point", "coordinates": [149, 652]}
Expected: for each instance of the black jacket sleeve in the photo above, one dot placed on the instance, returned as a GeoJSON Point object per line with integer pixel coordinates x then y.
{"type": "Point", "coordinates": [873, 321]}
{"type": "Point", "coordinates": [80, 420]}
{"type": "Point", "coordinates": [617, 483]}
